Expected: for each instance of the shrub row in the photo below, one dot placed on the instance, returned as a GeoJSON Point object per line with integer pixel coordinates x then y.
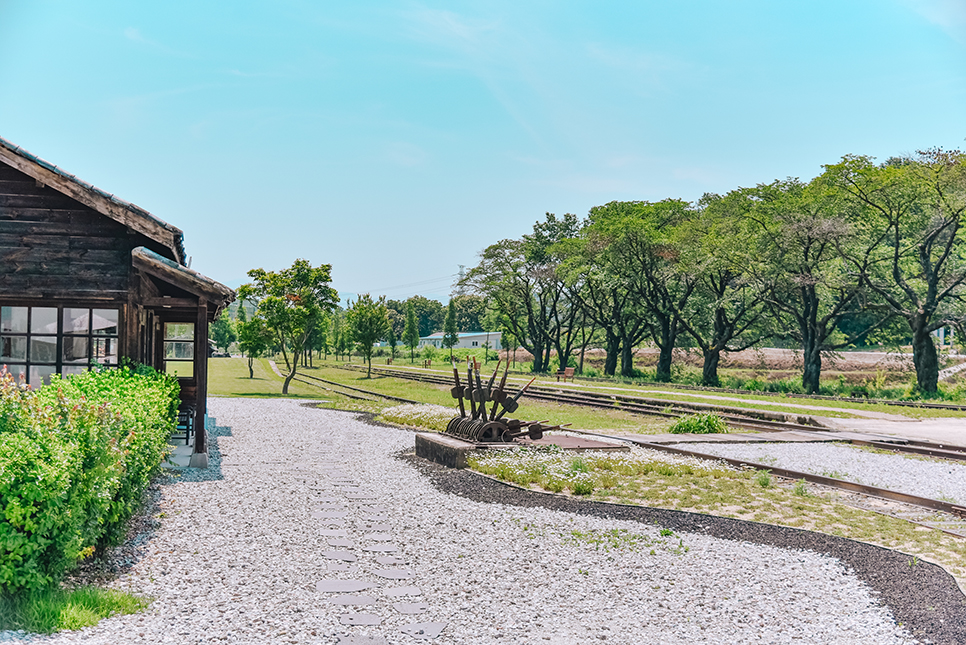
{"type": "Point", "coordinates": [75, 459]}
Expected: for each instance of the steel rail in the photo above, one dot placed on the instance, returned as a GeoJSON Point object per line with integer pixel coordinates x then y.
{"type": "Point", "coordinates": [356, 389]}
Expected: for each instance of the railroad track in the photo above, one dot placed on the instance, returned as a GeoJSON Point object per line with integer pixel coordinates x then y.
{"type": "Point", "coordinates": [945, 509]}
{"type": "Point", "coordinates": [657, 407]}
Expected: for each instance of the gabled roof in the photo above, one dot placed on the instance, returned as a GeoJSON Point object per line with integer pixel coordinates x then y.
{"type": "Point", "coordinates": [126, 213]}
{"type": "Point", "coordinates": [181, 276]}
{"type": "Point", "coordinates": [462, 334]}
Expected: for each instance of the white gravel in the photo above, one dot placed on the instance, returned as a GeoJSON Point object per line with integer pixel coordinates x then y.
{"type": "Point", "coordinates": [237, 559]}
{"type": "Point", "coordinates": [933, 478]}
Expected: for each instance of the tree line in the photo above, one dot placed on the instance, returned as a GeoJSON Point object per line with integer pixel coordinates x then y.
{"type": "Point", "coordinates": [862, 252]}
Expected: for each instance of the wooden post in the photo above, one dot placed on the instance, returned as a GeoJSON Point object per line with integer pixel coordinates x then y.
{"type": "Point", "coordinates": [201, 380]}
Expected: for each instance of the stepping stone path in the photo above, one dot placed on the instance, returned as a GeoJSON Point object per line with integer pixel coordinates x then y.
{"type": "Point", "coordinates": [365, 540]}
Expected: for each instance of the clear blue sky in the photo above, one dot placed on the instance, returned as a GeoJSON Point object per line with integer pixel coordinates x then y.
{"type": "Point", "coordinates": [395, 140]}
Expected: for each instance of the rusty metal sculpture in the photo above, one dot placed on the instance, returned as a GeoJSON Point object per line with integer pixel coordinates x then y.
{"type": "Point", "coordinates": [490, 427]}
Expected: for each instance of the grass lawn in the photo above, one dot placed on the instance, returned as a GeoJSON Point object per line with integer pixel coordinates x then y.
{"type": "Point", "coordinates": [229, 377]}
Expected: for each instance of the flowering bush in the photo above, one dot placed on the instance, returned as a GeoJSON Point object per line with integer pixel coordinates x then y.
{"type": "Point", "coordinates": [75, 458]}
{"type": "Point", "coordinates": [433, 417]}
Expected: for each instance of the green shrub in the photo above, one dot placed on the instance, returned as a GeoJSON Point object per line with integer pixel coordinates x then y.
{"type": "Point", "coordinates": [75, 459]}
{"type": "Point", "coordinates": [699, 424]}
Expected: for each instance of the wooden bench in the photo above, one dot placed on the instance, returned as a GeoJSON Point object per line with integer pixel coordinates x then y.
{"type": "Point", "coordinates": [566, 373]}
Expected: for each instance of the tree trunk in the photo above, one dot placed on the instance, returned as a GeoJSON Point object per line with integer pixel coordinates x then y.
{"type": "Point", "coordinates": [669, 333]}
{"type": "Point", "coordinates": [812, 369]}
{"type": "Point", "coordinates": [369, 361]}
{"type": "Point", "coordinates": [924, 355]}
{"type": "Point", "coordinates": [537, 351]}
{"type": "Point", "coordinates": [251, 370]}
{"type": "Point", "coordinates": [709, 374]}
{"type": "Point", "coordinates": [288, 379]}
{"type": "Point", "coordinates": [612, 349]}
{"type": "Point", "coordinates": [627, 358]}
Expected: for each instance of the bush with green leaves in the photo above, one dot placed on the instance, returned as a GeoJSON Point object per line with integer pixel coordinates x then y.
{"type": "Point", "coordinates": [75, 459]}
{"type": "Point", "coordinates": [699, 424]}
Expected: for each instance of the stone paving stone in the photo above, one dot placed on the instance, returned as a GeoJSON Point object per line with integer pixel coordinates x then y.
{"type": "Point", "coordinates": [352, 599]}
{"type": "Point", "coordinates": [399, 592]}
{"type": "Point", "coordinates": [394, 574]}
{"type": "Point", "coordinates": [361, 639]}
{"type": "Point", "coordinates": [382, 548]}
{"type": "Point", "coordinates": [333, 532]}
{"type": "Point", "coordinates": [325, 515]}
{"type": "Point", "coordinates": [378, 527]}
{"type": "Point", "coordinates": [388, 560]}
{"type": "Point", "coordinates": [361, 495]}
{"type": "Point", "coordinates": [379, 537]}
{"type": "Point", "coordinates": [410, 607]}
{"type": "Point", "coordinates": [342, 586]}
{"type": "Point", "coordinates": [359, 619]}
{"type": "Point", "coordinates": [345, 556]}
{"type": "Point", "coordinates": [345, 544]}
{"type": "Point", "coordinates": [424, 631]}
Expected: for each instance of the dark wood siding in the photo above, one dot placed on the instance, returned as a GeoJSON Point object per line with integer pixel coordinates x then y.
{"type": "Point", "coordinates": [52, 246]}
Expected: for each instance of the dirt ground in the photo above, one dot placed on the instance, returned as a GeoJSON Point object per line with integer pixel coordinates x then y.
{"type": "Point", "coordinates": [773, 363]}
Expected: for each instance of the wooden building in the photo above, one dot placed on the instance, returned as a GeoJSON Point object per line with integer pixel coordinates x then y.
{"type": "Point", "coordinates": [86, 278]}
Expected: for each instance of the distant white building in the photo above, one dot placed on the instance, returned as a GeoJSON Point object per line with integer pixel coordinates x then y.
{"type": "Point", "coordinates": [467, 340]}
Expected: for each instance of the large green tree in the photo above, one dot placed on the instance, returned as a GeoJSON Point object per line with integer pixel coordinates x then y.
{"type": "Point", "coordinates": [727, 310]}
{"type": "Point", "coordinates": [917, 205]}
{"type": "Point", "coordinates": [222, 331]}
{"type": "Point", "coordinates": [291, 302]}
{"type": "Point", "coordinates": [430, 314]}
{"type": "Point", "coordinates": [368, 322]}
{"type": "Point", "coordinates": [450, 334]}
{"type": "Point", "coordinates": [411, 331]}
{"type": "Point", "coordinates": [523, 279]}
{"type": "Point", "coordinates": [805, 239]}
{"type": "Point", "coordinates": [470, 312]}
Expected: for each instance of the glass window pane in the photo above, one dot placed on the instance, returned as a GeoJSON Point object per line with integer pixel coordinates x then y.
{"type": "Point", "coordinates": [17, 371]}
{"type": "Point", "coordinates": [73, 369]}
{"type": "Point", "coordinates": [43, 349]}
{"type": "Point", "coordinates": [76, 321]}
{"type": "Point", "coordinates": [39, 375]}
{"type": "Point", "coordinates": [13, 348]}
{"type": "Point", "coordinates": [75, 349]}
{"type": "Point", "coordinates": [13, 319]}
{"type": "Point", "coordinates": [179, 350]}
{"type": "Point", "coordinates": [104, 322]}
{"type": "Point", "coordinates": [181, 369]}
{"type": "Point", "coordinates": [43, 320]}
{"type": "Point", "coordinates": [179, 331]}
{"type": "Point", "coordinates": [104, 351]}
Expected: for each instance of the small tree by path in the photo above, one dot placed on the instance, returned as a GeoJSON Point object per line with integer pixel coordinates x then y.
{"type": "Point", "coordinates": [253, 339]}
{"type": "Point", "coordinates": [290, 303]}
{"type": "Point", "coordinates": [450, 335]}
{"type": "Point", "coordinates": [411, 333]}
{"type": "Point", "coordinates": [368, 321]}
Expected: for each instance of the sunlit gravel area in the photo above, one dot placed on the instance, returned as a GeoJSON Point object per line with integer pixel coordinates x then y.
{"type": "Point", "coordinates": [308, 527]}
{"type": "Point", "coordinates": [933, 478]}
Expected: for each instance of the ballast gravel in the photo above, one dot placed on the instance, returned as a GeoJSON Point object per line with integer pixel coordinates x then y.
{"type": "Point", "coordinates": [244, 547]}
{"type": "Point", "coordinates": [911, 474]}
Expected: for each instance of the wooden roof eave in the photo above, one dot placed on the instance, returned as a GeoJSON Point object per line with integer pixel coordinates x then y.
{"type": "Point", "coordinates": [182, 277]}
{"type": "Point", "coordinates": [131, 216]}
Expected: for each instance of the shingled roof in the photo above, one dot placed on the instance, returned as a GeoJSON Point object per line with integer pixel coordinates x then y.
{"type": "Point", "coordinates": [126, 213]}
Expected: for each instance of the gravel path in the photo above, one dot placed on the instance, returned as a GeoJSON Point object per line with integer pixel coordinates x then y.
{"type": "Point", "coordinates": [935, 479]}
{"type": "Point", "coordinates": [307, 526]}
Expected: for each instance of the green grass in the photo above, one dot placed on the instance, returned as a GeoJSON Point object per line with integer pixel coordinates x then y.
{"type": "Point", "coordinates": [229, 377]}
{"type": "Point", "coordinates": [54, 610]}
